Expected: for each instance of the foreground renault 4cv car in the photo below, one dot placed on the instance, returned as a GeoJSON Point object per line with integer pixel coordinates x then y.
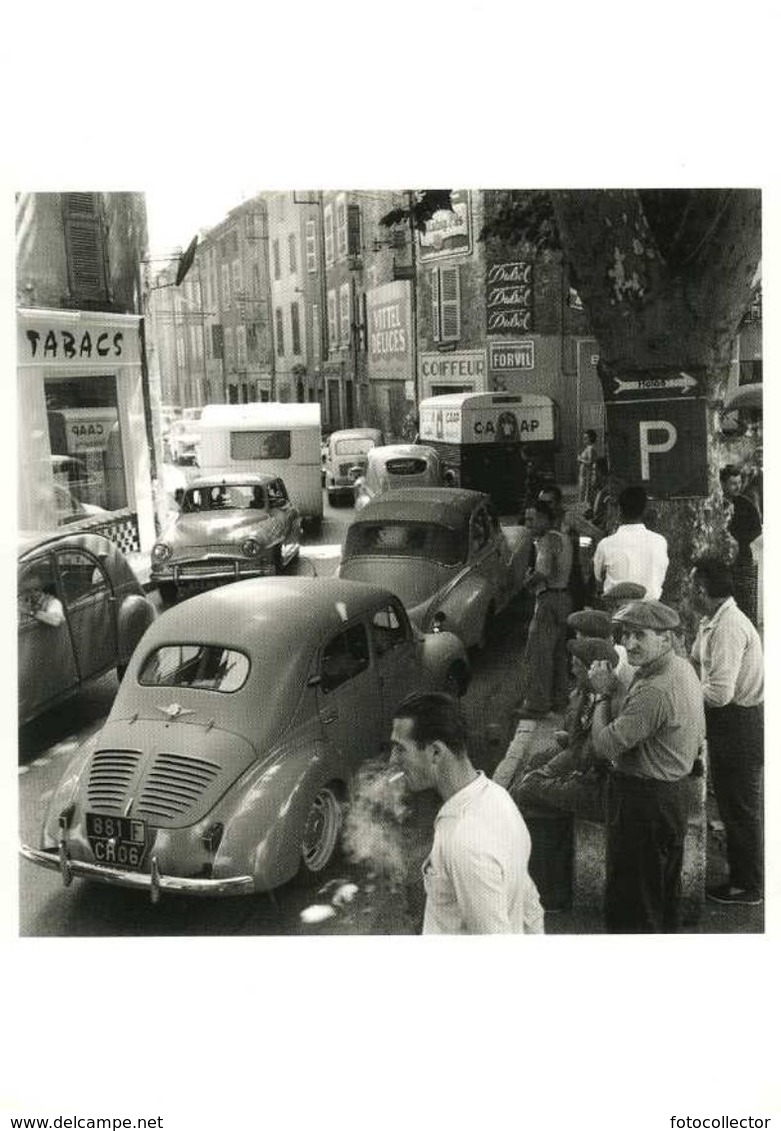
{"type": "Point", "coordinates": [81, 612]}
{"type": "Point", "coordinates": [345, 460]}
{"type": "Point", "coordinates": [443, 552]}
{"type": "Point", "coordinates": [232, 744]}
{"type": "Point", "coordinates": [229, 527]}
{"type": "Point", "coordinates": [393, 466]}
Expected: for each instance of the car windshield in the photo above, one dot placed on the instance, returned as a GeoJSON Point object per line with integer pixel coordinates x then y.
{"type": "Point", "coordinates": [221, 497]}
{"type": "Point", "coordinates": [407, 466]}
{"type": "Point", "coordinates": [357, 446]}
{"type": "Point", "coordinates": [406, 539]}
{"type": "Point", "coordinates": [205, 666]}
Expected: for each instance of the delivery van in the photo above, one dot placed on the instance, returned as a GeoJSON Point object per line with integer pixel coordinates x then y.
{"type": "Point", "coordinates": [270, 438]}
{"type": "Point", "coordinates": [493, 442]}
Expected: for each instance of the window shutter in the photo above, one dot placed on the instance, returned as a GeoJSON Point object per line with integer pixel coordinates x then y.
{"type": "Point", "coordinates": [84, 247]}
{"type": "Point", "coordinates": [435, 304]}
{"type": "Point", "coordinates": [353, 229]}
{"type": "Point", "coordinates": [311, 247]}
{"type": "Point", "coordinates": [218, 341]}
{"type": "Point", "coordinates": [449, 304]}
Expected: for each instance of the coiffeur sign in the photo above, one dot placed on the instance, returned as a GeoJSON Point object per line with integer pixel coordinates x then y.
{"type": "Point", "coordinates": [657, 430]}
{"type": "Point", "coordinates": [389, 327]}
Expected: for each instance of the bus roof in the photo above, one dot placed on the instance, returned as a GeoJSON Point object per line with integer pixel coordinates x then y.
{"type": "Point", "coordinates": [486, 400]}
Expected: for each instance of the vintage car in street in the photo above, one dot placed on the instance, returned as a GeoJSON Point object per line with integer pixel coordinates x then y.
{"type": "Point", "coordinates": [393, 466]}
{"type": "Point", "coordinates": [182, 440]}
{"type": "Point", "coordinates": [346, 459]}
{"type": "Point", "coordinates": [232, 744]}
{"type": "Point", "coordinates": [443, 552]}
{"type": "Point", "coordinates": [81, 613]}
{"type": "Point", "coordinates": [229, 527]}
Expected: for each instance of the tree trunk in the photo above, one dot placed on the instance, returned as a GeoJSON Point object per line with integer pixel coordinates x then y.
{"type": "Point", "coordinates": [665, 280]}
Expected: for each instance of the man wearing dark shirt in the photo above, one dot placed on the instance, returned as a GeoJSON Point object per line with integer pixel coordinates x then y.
{"type": "Point", "coordinates": [652, 744]}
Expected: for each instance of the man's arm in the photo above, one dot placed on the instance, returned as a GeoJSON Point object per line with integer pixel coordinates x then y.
{"type": "Point", "coordinates": [720, 665]}
{"type": "Point", "coordinates": [479, 883]}
{"type": "Point", "coordinates": [641, 715]}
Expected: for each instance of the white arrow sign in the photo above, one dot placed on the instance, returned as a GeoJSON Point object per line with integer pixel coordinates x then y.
{"type": "Point", "coordinates": [682, 381]}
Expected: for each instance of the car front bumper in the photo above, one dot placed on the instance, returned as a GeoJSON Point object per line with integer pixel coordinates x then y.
{"type": "Point", "coordinates": [221, 569]}
{"type": "Point", "coordinates": [153, 882]}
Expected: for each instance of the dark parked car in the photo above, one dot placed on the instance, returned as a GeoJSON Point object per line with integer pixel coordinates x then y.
{"type": "Point", "coordinates": [81, 612]}
{"type": "Point", "coordinates": [232, 744]}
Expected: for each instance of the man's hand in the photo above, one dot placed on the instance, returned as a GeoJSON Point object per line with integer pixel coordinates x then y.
{"type": "Point", "coordinates": [602, 678]}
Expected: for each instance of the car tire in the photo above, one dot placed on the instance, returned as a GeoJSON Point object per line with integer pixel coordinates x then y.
{"type": "Point", "coordinates": [455, 681]}
{"type": "Point", "coordinates": [333, 497]}
{"type": "Point", "coordinates": [322, 829]}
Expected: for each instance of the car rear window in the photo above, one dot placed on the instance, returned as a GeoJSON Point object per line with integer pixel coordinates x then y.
{"type": "Point", "coordinates": [207, 667]}
{"type": "Point", "coordinates": [406, 539]}
{"type": "Point", "coordinates": [354, 447]}
{"type": "Point", "coordinates": [407, 466]}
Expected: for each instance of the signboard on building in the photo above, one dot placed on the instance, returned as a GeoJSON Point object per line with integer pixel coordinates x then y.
{"type": "Point", "coordinates": [461, 367]}
{"type": "Point", "coordinates": [389, 319]}
{"type": "Point", "coordinates": [448, 233]}
{"type": "Point", "coordinates": [66, 342]}
{"type": "Point", "coordinates": [511, 357]}
{"type": "Point", "coordinates": [509, 297]}
{"type": "Point", "coordinates": [657, 430]}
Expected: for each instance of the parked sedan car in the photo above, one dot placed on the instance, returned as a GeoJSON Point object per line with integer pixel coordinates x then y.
{"type": "Point", "coordinates": [346, 459]}
{"type": "Point", "coordinates": [232, 744]}
{"type": "Point", "coordinates": [394, 466]}
{"type": "Point", "coordinates": [81, 612]}
{"type": "Point", "coordinates": [443, 552]}
{"type": "Point", "coordinates": [229, 527]}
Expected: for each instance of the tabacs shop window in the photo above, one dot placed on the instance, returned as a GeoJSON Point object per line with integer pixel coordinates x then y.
{"type": "Point", "coordinates": [86, 445]}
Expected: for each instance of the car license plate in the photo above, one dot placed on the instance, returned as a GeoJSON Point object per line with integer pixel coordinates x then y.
{"type": "Point", "coordinates": [119, 841]}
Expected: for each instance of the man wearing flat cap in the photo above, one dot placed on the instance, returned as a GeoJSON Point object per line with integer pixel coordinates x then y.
{"type": "Point", "coordinates": [651, 742]}
{"type": "Point", "coordinates": [597, 623]}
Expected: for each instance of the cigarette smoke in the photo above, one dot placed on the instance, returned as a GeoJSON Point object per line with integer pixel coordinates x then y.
{"type": "Point", "coordinates": [374, 834]}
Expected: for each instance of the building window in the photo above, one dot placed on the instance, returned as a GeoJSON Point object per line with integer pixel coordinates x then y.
{"type": "Point", "coordinates": [238, 281]}
{"type": "Point", "coordinates": [446, 304]}
{"type": "Point", "coordinates": [275, 252]}
{"type": "Point", "coordinates": [280, 332]}
{"type": "Point", "coordinates": [241, 347]}
{"type": "Point", "coordinates": [315, 332]}
{"type": "Point", "coordinates": [255, 281]}
{"type": "Point", "coordinates": [295, 327]}
{"type": "Point", "coordinates": [341, 227]}
{"type": "Point", "coordinates": [291, 251]}
{"type": "Point", "coordinates": [333, 336]}
{"type": "Point", "coordinates": [311, 247]}
{"type": "Point", "coordinates": [218, 342]}
{"type": "Point", "coordinates": [328, 220]}
{"type": "Point", "coordinates": [226, 285]}
{"type": "Point", "coordinates": [84, 246]}
{"type": "Point", "coordinates": [181, 355]}
{"type": "Point", "coordinates": [353, 229]}
{"type": "Point", "coordinates": [230, 357]}
{"type": "Point", "coordinates": [344, 314]}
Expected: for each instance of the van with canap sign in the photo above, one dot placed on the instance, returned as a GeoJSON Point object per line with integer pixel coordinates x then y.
{"type": "Point", "coordinates": [270, 438]}
{"type": "Point", "coordinates": [485, 441]}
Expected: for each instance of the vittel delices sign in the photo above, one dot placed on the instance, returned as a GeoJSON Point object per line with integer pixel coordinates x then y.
{"type": "Point", "coordinates": [389, 330]}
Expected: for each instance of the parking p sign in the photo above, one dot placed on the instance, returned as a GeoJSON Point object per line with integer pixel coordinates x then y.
{"type": "Point", "coordinates": [657, 430]}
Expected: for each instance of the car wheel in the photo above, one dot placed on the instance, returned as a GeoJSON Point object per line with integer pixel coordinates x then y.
{"type": "Point", "coordinates": [321, 830]}
{"type": "Point", "coordinates": [455, 681]}
{"type": "Point", "coordinates": [279, 565]}
{"type": "Point", "coordinates": [333, 497]}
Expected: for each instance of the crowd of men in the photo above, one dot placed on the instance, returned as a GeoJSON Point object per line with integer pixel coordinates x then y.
{"type": "Point", "coordinates": [643, 717]}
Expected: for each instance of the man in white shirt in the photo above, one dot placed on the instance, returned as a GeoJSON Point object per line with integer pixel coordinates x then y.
{"type": "Point", "coordinates": [477, 874]}
{"type": "Point", "coordinates": [728, 655]}
{"type": "Point", "coordinates": [634, 553]}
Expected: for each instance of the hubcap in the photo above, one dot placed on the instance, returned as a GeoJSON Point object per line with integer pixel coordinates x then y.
{"type": "Point", "coordinates": [321, 831]}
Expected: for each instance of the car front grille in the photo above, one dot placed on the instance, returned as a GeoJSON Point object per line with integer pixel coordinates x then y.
{"type": "Point", "coordinates": [174, 784]}
{"type": "Point", "coordinates": [198, 569]}
{"type": "Point", "coordinates": [193, 553]}
{"type": "Point", "coordinates": [111, 773]}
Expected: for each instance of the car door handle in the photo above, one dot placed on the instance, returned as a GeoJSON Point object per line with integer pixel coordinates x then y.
{"type": "Point", "coordinates": [329, 716]}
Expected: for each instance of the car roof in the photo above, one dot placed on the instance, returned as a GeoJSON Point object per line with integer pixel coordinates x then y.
{"type": "Point", "coordinates": [401, 451]}
{"type": "Point", "coordinates": [291, 608]}
{"type": "Point", "coordinates": [31, 540]}
{"type": "Point", "coordinates": [445, 506]}
{"type": "Point", "coordinates": [233, 478]}
{"type": "Point", "coordinates": [350, 433]}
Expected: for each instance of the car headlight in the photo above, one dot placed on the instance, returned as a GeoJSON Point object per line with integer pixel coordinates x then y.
{"type": "Point", "coordinates": [161, 552]}
{"type": "Point", "coordinates": [251, 548]}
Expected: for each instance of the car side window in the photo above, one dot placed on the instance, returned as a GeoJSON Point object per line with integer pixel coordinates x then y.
{"type": "Point", "coordinates": [277, 494]}
{"type": "Point", "coordinates": [35, 585]}
{"type": "Point", "coordinates": [344, 657]}
{"type": "Point", "coordinates": [81, 576]}
{"type": "Point", "coordinates": [388, 629]}
{"type": "Point", "coordinates": [480, 530]}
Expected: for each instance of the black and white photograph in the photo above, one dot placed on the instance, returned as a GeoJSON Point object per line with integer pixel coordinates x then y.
{"type": "Point", "coordinates": [388, 589]}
